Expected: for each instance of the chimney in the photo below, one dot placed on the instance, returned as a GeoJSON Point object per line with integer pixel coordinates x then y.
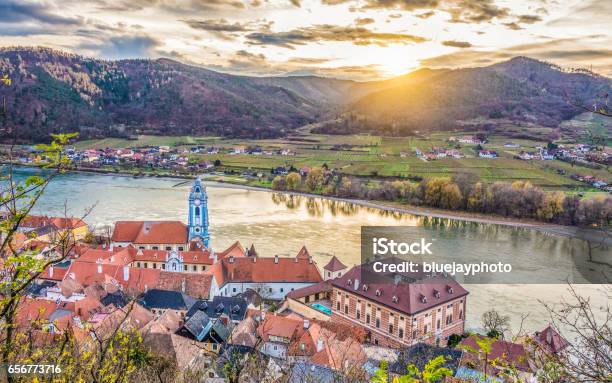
{"type": "Point", "coordinates": [310, 259]}
{"type": "Point", "coordinates": [126, 273]}
{"type": "Point", "coordinates": [356, 284]}
{"type": "Point", "coordinates": [319, 345]}
{"type": "Point", "coordinates": [112, 259]}
{"type": "Point", "coordinates": [306, 324]}
{"type": "Point", "coordinates": [276, 259]}
{"type": "Point", "coordinates": [50, 271]}
{"type": "Point", "coordinates": [99, 268]}
{"type": "Point", "coordinates": [183, 286]}
{"type": "Point", "coordinates": [549, 336]}
{"type": "Point", "coordinates": [254, 259]}
{"type": "Point", "coordinates": [110, 247]}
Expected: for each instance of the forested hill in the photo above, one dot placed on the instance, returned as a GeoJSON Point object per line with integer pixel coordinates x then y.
{"type": "Point", "coordinates": [53, 91]}
{"type": "Point", "coordinates": [525, 91]}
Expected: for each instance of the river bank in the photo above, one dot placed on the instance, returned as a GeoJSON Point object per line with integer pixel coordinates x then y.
{"type": "Point", "coordinates": [543, 227]}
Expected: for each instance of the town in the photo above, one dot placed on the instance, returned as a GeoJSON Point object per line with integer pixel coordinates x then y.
{"type": "Point", "coordinates": [203, 307]}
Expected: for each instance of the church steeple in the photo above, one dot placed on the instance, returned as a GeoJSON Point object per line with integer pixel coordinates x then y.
{"type": "Point", "coordinates": [198, 213]}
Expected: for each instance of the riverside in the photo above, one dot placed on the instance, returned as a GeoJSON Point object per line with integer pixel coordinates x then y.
{"type": "Point", "coordinates": [281, 224]}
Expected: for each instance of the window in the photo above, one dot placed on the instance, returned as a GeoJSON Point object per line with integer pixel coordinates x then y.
{"type": "Point", "coordinates": [214, 347]}
{"type": "Point", "coordinates": [358, 315]}
{"type": "Point", "coordinates": [426, 329]}
{"type": "Point", "coordinates": [203, 268]}
{"type": "Point", "coordinates": [181, 248]}
{"type": "Point", "coordinates": [460, 314]}
{"type": "Point", "coordinates": [414, 334]}
{"type": "Point", "coordinates": [377, 322]}
{"type": "Point", "coordinates": [197, 210]}
{"type": "Point", "coordinates": [376, 342]}
{"type": "Point", "coordinates": [155, 265]}
{"type": "Point", "coordinates": [163, 266]}
{"type": "Point", "coordinates": [390, 329]}
{"type": "Point", "coordinates": [233, 289]}
{"type": "Point", "coordinates": [368, 318]}
{"type": "Point", "coordinates": [346, 309]}
{"type": "Point", "coordinates": [338, 306]}
{"type": "Point", "coordinates": [307, 299]}
{"type": "Point", "coordinates": [194, 268]}
{"type": "Point", "coordinates": [168, 248]}
{"type": "Point", "coordinates": [401, 333]}
{"type": "Point", "coordinates": [137, 264]}
{"type": "Point", "coordinates": [185, 267]}
{"type": "Point", "coordinates": [146, 265]}
{"type": "Point", "coordinates": [155, 247]}
{"type": "Point", "coordinates": [282, 290]}
{"type": "Point", "coordinates": [270, 290]}
{"type": "Point", "coordinates": [438, 324]}
{"type": "Point", "coordinates": [141, 247]}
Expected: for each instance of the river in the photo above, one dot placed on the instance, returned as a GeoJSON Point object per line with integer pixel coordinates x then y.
{"type": "Point", "coordinates": [280, 224]}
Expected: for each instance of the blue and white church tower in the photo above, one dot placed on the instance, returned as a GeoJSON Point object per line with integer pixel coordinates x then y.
{"type": "Point", "coordinates": [198, 213]}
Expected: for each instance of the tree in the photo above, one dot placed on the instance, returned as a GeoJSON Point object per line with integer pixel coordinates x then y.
{"type": "Point", "coordinates": [381, 375]}
{"type": "Point", "coordinates": [434, 371]}
{"type": "Point", "coordinates": [293, 181]}
{"type": "Point", "coordinates": [494, 323]}
{"type": "Point", "coordinates": [278, 183]}
{"type": "Point", "coordinates": [588, 356]}
{"type": "Point", "coordinates": [314, 180]}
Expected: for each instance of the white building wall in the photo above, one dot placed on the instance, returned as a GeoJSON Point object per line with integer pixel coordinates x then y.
{"type": "Point", "coordinates": [274, 290]}
{"type": "Point", "coordinates": [274, 349]}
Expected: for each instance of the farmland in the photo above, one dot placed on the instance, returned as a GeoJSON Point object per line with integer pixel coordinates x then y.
{"type": "Point", "coordinates": [376, 157]}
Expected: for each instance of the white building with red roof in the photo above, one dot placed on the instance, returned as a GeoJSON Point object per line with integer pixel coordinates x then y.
{"type": "Point", "coordinates": [334, 269]}
{"type": "Point", "coordinates": [271, 277]}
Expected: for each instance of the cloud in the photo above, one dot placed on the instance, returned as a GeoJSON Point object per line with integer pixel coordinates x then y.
{"type": "Point", "coordinates": [23, 11]}
{"type": "Point", "coordinates": [461, 11]}
{"type": "Point", "coordinates": [456, 44]}
{"type": "Point", "coordinates": [364, 21]}
{"type": "Point", "coordinates": [528, 19]}
{"type": "Point", "coordinates": [308, 60]}
{"type": "Point", "coordinates": [121, 47]}
{"type": "Point", "coordinates": [326, 32]}
{"type": "Point", "coordinates": [220, 25]}
{"type": "Point", "coordinates": [570, 52]}
{"type": "Point", "coordinates": [513, 25]}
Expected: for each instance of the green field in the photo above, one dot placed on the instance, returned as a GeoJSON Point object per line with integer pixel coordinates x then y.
{"type": "Point", "coordinates": [369, 155]}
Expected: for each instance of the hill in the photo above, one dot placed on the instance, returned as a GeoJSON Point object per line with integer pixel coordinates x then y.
{"type": "Point", "coordinates": [54, 91]}
{"type": "Point", "coordinates": [522, 91]}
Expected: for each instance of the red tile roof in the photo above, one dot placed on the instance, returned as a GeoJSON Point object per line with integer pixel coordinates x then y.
{"type": "Point", "coordinates": [265, 270]}
{"type": "Point", "coordinates": [502, 353]}
{"type": "Point", "coordinates": [406, 297]}
{"type": "Point", "coordinates": [150, 232]}
{"type": "Point", "coordinates": [279, 326]}
{"type": "Point", "coordinates": [236, 250]}
{"type": "Point", "coordinates": [551, 340]}
{"type": "Point", "coordinates": [196, 285]}
{"type": "Point", "coordinates": [321, 287]}
{"type": "Point", "coordinates": [37, 221]}
{"type": "Point", "coordinates": [334, 265]}
{"type": "Point", "coordinates": [34, 309]}
{"type": "Point", "coordinates": [53, 273]}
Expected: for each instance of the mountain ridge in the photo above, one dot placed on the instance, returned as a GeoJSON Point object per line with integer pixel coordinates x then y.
{"type": "Point", "coordinates": [55, 91]}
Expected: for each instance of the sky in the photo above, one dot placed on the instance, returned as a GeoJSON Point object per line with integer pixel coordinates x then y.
{"type": "Point", "coordinates": [349, 39]}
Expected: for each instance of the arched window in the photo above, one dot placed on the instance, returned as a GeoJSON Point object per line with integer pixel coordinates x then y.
{"type": "Point", "coordinates": [197, 190]}
{"type": "Point", "coordinates": [197, 210]}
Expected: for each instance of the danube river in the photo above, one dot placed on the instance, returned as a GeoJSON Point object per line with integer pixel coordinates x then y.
{"type": "Point", "coordinates": [282, 224]}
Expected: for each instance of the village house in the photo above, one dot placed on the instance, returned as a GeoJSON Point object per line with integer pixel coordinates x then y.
{"type": "Point", "coordinates": [271, 277]}
{"type": "Point", "coordinates": [487, 154]}
{"type": "Point", "coordinates": [403, 313]}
